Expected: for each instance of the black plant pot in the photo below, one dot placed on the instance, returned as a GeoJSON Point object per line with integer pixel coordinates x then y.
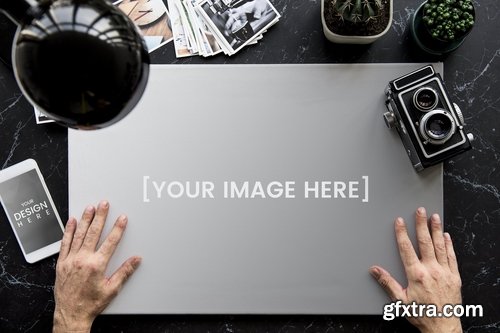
{"type": "Point", "coordinates": [424, 39]}
{"type": "Point", "coordinates": [81, 62]}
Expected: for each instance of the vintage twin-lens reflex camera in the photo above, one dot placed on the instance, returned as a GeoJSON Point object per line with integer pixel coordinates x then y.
{"type": "Point", "coordinates": [429, 124]}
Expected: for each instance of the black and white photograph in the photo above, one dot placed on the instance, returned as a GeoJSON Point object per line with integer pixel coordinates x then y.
{"type": "Point", "coordinates": [41, 118]}
{"type": "Point", "coordinates": [238, 22]}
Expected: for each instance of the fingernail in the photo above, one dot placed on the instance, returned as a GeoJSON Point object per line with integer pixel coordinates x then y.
{"type": "Point", "coordinates": [137, 261]}
{"type": "Point", "coordinates": [89, 209]}
{"type": "Point", "coordinates": [400, 221]}
{"type": "Point", "coordinates": [375, 272]}
{"type": "Point", "coordinates": [104, 204]}
{"type": "Point", "coordinates": [447, 236]}
{"type": "Point", "coordinates": [123, 219]}
{"type": "Point", "coordinates": [70, 222]}
{"type": "Point", "coordinates": [435, 218]}
{"type": "Point", "coordinates": [421, 210]}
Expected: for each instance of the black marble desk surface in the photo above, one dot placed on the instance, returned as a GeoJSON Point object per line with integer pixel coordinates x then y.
{"type": "Point", "coordinates": [471, 181]}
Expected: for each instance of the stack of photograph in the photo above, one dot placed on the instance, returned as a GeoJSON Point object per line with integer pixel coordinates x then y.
{"type": "Point", "coordinates": [209, 27]}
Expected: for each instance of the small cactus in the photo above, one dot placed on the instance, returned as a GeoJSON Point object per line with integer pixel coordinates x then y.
{"type": "Point", "coordinates": [448, 19]}
{"type": "Point", "coordinates": [357, 10]}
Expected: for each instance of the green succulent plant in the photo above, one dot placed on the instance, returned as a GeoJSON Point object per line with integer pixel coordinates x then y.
{"type": "Point", "coordinates": [448, 19]}
{"type": "Point", "coordinates": [357, 10]}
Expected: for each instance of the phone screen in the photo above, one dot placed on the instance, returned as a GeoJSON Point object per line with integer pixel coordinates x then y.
{"type": "Point", "coordinates": [30, 211]}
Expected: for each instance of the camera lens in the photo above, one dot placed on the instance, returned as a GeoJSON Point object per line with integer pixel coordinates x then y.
{"type": "Point", "coordinates": [425, 99]}
{"type": "Point", "coordinates": [437, 126]}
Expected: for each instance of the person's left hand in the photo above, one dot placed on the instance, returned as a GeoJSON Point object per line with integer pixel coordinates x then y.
{"type": "Point", "coordinates": [82, 290]}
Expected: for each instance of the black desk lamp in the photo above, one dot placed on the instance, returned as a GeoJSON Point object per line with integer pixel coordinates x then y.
{"type": "Point", "coordinates": [82, 62]}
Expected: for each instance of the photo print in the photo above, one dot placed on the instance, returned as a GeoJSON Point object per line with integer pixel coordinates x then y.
{"type": "Point", "coordinates": [152, 19]}
{"type": "Point", "coordinates": [237, 23]}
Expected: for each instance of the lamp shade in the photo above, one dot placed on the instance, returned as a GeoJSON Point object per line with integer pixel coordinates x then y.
{"type": "Point", "coordinates": [82, 63]}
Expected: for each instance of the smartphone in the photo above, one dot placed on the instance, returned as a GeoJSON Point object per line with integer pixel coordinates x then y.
{"type": "Point", "coordinates": [30, 210]}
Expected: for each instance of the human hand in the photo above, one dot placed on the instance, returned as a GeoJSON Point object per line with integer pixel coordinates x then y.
{"type": "Point", "coordinates": [82, 291]}
{"type": "Point", "coordinates": [432, 279]}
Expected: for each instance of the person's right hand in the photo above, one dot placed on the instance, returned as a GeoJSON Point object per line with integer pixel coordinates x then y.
{"type": "Point", "coordinates": [82, 290]}
{"type": "Point", "coordinates": [432, 279]}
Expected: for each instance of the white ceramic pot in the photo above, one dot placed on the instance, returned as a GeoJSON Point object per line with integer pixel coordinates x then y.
{"type": "Point", "coordinates": [343, 39]}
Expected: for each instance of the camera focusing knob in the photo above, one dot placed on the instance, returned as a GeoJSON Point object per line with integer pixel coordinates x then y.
{"type": "Point", "coordinates": [387, 91]}
{"type": "Point", "coordinates": [390, 119]}
{"type": "Point", "coordinates": [459, 114]}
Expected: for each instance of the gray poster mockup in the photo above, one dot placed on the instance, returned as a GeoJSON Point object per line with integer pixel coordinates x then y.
{"type": "Point", "coordinates": [255, 188]}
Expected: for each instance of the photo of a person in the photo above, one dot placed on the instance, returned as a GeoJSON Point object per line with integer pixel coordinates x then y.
{"type": "Point", "coordinates": [239, 22]}
{"type": "Point", "coordinates": [152, 19]}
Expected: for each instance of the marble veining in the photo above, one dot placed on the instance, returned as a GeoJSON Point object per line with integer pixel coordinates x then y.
{"type": "Point", "coordinates": [401, 19]}
{"type": "Point", "coordinates": [488, 188]}
{"type": "Point", "coordinates": [10, 106]}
